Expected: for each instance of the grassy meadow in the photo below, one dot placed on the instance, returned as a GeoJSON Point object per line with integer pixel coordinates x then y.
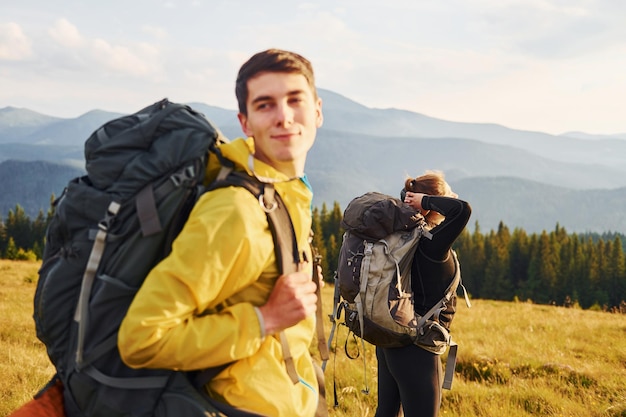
{"type": "Point", "coordinates": [24, 366]}
{"type": "Point", "coordinates": [514, 359]}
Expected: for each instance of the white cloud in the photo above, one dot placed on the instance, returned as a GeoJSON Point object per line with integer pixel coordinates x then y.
{"type": "Point", "coordinates": [66, 34]}
{"type": "Point", "coordinates": [14, 44]}
{"type": "Point", "coordinates": [156, 32]}
{"type": "Point", "coordinates": [74, 52]}
{"type": "Point", "coordinates": [136, 60]}
{"type": "Point", "coordinates": [549, 65]}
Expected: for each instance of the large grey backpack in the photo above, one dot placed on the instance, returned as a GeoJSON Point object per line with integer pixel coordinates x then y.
{"type": "Point", "coordinates": [144, 173]}
{"type": "Point", "coordinates": [373, 281]}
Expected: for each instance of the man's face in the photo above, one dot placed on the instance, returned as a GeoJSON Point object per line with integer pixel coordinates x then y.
{"type": "Point", "coordinates": [283, 117]}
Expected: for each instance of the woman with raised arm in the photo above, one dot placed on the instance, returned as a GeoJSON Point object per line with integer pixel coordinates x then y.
{"type": "Point", "coordinates": [410, 378]}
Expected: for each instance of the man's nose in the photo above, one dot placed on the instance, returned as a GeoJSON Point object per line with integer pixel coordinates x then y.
{"type": "Point", "coordinates": [284, 114]}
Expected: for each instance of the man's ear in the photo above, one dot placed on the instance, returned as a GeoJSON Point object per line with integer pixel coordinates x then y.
{"type": "Point", "coordinates": [320, 116]}
{"type": "Point", "coordinates": [243, 121]}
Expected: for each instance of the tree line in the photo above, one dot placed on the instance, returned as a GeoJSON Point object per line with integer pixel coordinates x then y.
{"type": "Point", "coordinates": [555, 267]}
{"type": "Point", "coordinates": [552, 267]}
{"type": "Point", "coordinates": [22, 238]}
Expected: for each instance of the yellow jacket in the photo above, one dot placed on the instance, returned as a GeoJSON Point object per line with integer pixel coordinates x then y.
{"type": "Point", "coordinates": [195, 309]}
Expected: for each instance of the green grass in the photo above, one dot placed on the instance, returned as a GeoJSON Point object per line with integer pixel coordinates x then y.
{"type": "Point", "coordinates": [514, 360]}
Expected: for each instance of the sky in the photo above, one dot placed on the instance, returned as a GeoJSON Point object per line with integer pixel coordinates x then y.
{"type": "Point", "coordinates": [542, 65]}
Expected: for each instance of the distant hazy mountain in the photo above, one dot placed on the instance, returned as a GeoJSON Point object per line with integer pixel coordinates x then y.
{"type": "Point", "coordinates": [527, 179]}
{"type": "Point", "coordinates": [16, 123]}
{"type": "Point", "coordinates": [371, 161]}
{"type": "Point", "coordinates": [31, 184]}
{"type": "Point", "coordinates": [344, 115]}
{"type": "Point", "coordinates": [587, 136]}
{"type": "Point", "coordinates": [37, 129]}
{"type": "Point", "coordinates": [534, 206]}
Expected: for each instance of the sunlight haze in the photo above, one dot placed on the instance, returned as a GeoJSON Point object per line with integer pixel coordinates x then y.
{"type": "Point", "coordinates": [541, 65]}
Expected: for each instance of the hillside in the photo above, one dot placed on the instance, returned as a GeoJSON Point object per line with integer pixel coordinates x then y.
{"type": "Point", "coordinates": [535, 206]}
{"type": "Point", "coordinates": [532, 206]}
{"type": "Point", "coordinates": [32, 184]}
{"type": "Point", "coordinates": [525, 179]}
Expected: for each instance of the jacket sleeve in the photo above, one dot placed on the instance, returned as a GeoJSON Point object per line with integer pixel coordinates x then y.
{"type": "Point", "coordinates": [433, 267]}
{"type": "Point", "coordinates": [223, 248]}
{"type": "Point", "coordinates": [456, 215]}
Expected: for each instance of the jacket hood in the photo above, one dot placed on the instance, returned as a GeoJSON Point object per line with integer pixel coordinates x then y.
{"type": "Point", "coordinates": [240, 151]}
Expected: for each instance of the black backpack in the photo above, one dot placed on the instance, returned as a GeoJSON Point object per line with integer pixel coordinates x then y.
{"type": "Point", "coordinates": [144, 174]}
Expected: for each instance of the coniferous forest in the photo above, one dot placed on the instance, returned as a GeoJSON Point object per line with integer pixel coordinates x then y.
{"type": "Point", "coordinates": [553, 267]}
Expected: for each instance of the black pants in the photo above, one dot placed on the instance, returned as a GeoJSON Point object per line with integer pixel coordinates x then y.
{"type": "Point", "coordinates": [410, 377]}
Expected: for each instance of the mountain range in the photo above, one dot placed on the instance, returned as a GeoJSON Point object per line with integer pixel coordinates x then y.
{"type": "Point", "coordinates": [526, 179]}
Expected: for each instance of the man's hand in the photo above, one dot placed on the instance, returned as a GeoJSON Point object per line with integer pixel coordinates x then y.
{"type": "Point", "coordinates": [291, 301]}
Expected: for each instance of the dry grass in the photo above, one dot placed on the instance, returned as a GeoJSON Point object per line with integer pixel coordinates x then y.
{"type": "Point", "coordinates": [24, 366]}
{"type": "Point", "coordinates": [515, 359]}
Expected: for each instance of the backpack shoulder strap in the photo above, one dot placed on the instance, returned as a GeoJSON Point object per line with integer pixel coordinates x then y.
{"type": "Point", "coordinates": [286, 250]}
{"type": "Point", "coordinates": [454, 284]}
{"type": "Point", "coordinates": [319, 314]}
{"type": "Point", "coordinates": [281, 226]}
{"type": "Point", "coordinates": [437, 308]}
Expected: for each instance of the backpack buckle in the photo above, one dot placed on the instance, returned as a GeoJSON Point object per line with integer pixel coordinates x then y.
{"type": "Point", "coordinates": [266, 197]}
{"type": "Point", "coordinates": [264, 206]}
{"type": "Point", "coordinates": [184, 175]}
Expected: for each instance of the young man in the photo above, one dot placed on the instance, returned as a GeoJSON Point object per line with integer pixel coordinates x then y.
{"type": "Point", "coordinates": [217, 298]}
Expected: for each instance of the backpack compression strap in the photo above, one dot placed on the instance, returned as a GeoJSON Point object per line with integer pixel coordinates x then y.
{"type": "Point", "coordinates": [82, 309]}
